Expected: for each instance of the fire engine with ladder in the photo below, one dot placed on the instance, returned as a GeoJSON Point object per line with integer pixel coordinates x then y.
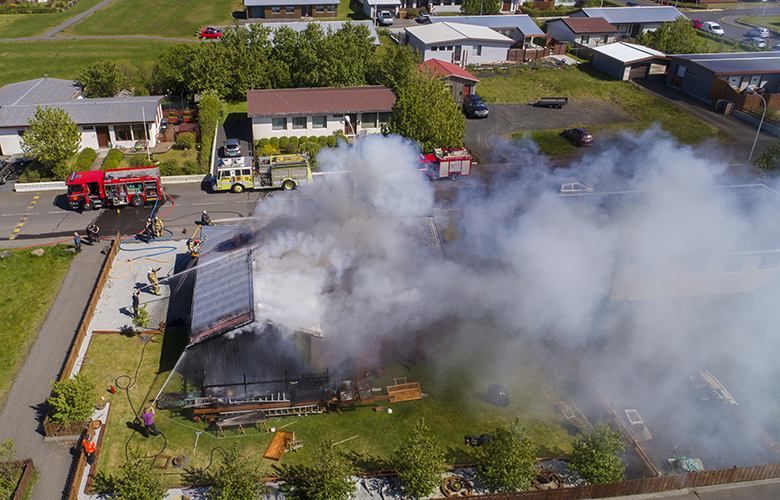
{"type": "Point", "coordinates": [451, 163]}
{"type": "Point", "coordinates": [133, 186]}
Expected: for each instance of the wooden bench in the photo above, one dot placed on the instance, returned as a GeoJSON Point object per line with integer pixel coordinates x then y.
{"type": "Point", "coordinates": [403, 391]}
{"type": "Point", "coordinates": [240, 420]}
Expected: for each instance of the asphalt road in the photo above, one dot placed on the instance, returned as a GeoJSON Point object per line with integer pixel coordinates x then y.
{"type": "Point", "coordinates": [728, 19]}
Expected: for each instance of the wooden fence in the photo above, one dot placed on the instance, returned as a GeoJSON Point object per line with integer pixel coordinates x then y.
{"type": "Point", "coordinates": [63, 429]}
{"type": "Point", "coordinates": [24, 481]}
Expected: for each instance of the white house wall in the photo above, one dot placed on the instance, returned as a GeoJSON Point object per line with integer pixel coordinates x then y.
{"type": "Point", "coordinates": [491, 51]}
{"type": "Point", "coordinates": [9, 141]}
{"type": "Point", "coordinates": [262, 127]}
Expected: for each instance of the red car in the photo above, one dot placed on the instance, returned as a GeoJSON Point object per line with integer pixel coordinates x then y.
{"type": "Point", "coordinates": [697, 23]}
{"type": "Point", "coordinates": [579, 136]}
{"type": "Point", "coordinates": [210, 33]}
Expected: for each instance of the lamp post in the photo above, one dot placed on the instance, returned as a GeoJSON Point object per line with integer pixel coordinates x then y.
{"type": "Point", "coordinates": [751, 91]}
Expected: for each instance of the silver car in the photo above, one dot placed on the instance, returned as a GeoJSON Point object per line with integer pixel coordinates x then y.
{"type": "Point", "coordinates": [232, 147]}
{"type": "Point", "coordinates": [758, 32]}
{"type": "Point", "coordinates": [755, 42]}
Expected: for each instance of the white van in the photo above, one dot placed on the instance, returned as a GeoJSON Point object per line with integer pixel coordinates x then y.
{"type": "Point", "coordinates": [713, 28]}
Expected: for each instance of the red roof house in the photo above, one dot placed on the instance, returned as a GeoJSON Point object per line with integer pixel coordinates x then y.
{"type": "Point", "coordinates": [460, 81]}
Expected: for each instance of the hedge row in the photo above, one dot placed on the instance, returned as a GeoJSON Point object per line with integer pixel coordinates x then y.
{"type": "Point", "coordinates": [113, 159]}
{"type": "Point", "coordinates": [85, 159]}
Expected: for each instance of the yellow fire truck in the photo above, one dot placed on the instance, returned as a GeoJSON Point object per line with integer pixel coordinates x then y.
{"type": "Point", "coordinates": [267, 172]}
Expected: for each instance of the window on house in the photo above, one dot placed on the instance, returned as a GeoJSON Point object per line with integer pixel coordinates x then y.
{"type": "Point", "coordinates": [276, 10]}
{"type": "Point", "coordinates": [331, 8]}
{"type": "Point", "coordinates": [279, 123]}
{"type": "Point", "coordinates": [290, 10]}
{"type": "Point", "coordinates": [450, 47]}
{"type": "Point", "coordinates": [755, 81]}
{"type": "Point", "coordinates": [433, 48]}
{"type": "Point", "coordinates": [20, 132]}
{"type": "Point", "coordinates": [299, 122]}
{"type": "Point", "coordinates": [585, 39]}
{"type": "Point", "coordinates": [735, 81]}
{"type": "Point", "coordinates": [122, 133]}
{"type": "Point", "coordinates": [478, 49]}
{"type": "Point", "coordinates": [87, 127]}
{"type": "Point", "coordinates": [138, 132]}
{"type": "Point", "coordinates": [605, 39]}
{"type": "Point", "coordinates": [384, 118]}
{"type": "Point", "coordinates": [369, 120]}
{"type": "Point", "coordinates": [319, 121]}
{"type": "Point", "coordinates": [319, 9]}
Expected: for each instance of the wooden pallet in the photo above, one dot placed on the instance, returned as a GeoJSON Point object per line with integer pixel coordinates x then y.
{"type": "Point", "coordinates": [404, 391]}
{"type": "Point", "coordinates": [278, 445]}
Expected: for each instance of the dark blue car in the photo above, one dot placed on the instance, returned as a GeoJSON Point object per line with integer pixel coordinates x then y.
{"type": "Point", "coordinates": [474, 107]}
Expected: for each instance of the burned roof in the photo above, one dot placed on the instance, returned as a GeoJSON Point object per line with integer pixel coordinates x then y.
{"type": "Point", "coordinates": [425, 233]}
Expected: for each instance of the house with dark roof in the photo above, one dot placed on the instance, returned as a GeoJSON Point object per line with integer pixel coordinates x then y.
{"type": "Point", "coordinates": [587, 31]}
{"type": "Point", "coordinates": [319, 111]}
{"type": "Point", "coordinates": [290, 9]}
{"type": "Point", "coordinates": [519, 27]}
{"type": "Point", "coordinates": [102, 122]}
{"type": "Point", "coordinates": [458, 80]}
{"type": "Point", "coordinates": [627, 61]}
{"type": "Point", "coordinates": [705, 76]}
{"type": "Point", "coordinates": [631, 21]}
{"type": "Point", "coordinates": [458, 43]}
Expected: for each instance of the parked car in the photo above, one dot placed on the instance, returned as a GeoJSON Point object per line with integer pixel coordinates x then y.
{"type": "Point", "coordinates": [755, 42]}
{"type": "Point", "coordinates": [579, 136]}
{"type": "Point", "coordinates": [423, 17]}
{"type": "Point", "coordinates": [232, 147]}
{"type": "Point", "coordinates": [631, 3]}
{"type": "Point", "coordinates": [697, 23]}
{"type": "Point", "coordinates": [774, 47]}
{"type": "Point", "coordinates": [384, 18]}
{"type": "Point", "coordinates": [210, 33]}
{"type": "Point", "coordinates": [475, 107]}
{"type": "Point", "coordinates": [572, 186]}
{"type": "Point", "coordinates": [758, 32]}
{"type": "Point", "coordinates": [712, 28]}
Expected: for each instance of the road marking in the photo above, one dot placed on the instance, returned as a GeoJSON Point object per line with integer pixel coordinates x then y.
{"type": "Point", "coordinates": [25, 214]}
{"type": "Point", "coordinates": [209, 203]}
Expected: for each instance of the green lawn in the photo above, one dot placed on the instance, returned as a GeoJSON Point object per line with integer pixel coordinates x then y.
{"type": "Point", "coordinates": [28, 286]}
{"type": "Point", "coordinates": [770, 22]}
{"type": "Point", "coordinates": [350, 9]}
{"type": "Point", "coordinates": [27, 25]}
{"type": "Point", "coordinates": [21, 61]}
{"type": "Point", "coordinates": [452, 409]}
{"type": "Point", "coordinates": [171, 18]}
{"type": "Point", "coordinates": [580, 84]}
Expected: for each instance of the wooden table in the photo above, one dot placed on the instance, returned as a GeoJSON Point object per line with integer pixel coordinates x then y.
{"type": "Point", "coordinates": [242, 419]}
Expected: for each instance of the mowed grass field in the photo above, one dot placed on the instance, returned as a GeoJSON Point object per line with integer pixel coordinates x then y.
{"type": "Point", "coordinates": [28, 286]}
{"type": "Point", "coordinates": [169, 18]}
{"type": "Point", "coordinates": [21, 61]}
{"type": "Point", "coordinates": [27, 25]}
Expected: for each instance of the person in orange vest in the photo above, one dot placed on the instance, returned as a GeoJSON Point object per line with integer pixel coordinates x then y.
{"type": "Point", "coordinates": [90, 449]}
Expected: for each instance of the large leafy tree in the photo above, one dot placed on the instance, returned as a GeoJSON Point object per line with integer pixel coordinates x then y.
{"type": "Point", "coordinates": [397, 67]}
{"type": "Point", "coordinates": [769, 160]}
{"type": "Point", "coordinates": [418, 462]}
{"type": "Point", "coordinates": [425, 111]}
{"type": "Point", "coordinates": [102, 79]}
{"type": "Point", "coordinates": [350, 51]}
{"type": "Point", "coordinates": [327, 478]}
{"type": "Point", "coordinates": [52, 139]}
{"type": "Point", "coordinates": [247, 53]}
{"type": "Point", "coordinates": [72, 400]}
{"type": "Point", "coordinates": [236, 479]}
{"type": "Point", "coordinates": [480, 7]}
{"type": "Point", "coordinates": [595, 455]}
{"type": "Point", "coordinates": [138, 482]}
{"type": "Point", "coordinates": [676, 37]}
{"type": "Point", "coordinates": [508, 460]}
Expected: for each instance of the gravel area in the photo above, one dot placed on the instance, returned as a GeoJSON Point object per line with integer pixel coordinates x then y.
{"type": "Point", "coordinates": [483, 135]}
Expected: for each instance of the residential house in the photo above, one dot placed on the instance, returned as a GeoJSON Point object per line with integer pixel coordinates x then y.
{"type": "Point", "coordinates": [332, 26]}
{"type": "Point", "coordinates": [290, 9]}
{"type": "Point", "coordinates": [706, 75]}
{"type": "Point", "coordinates": [319, 111]}
{"type": "Point", "coordinates": [459, 81]}
{"type": "Point", "coordinates": [102, 122]}
{"type": "Point", "coordinates": [587, 31]}
{"type": "Point", "coordinates": [519, 27]}
{"type": "Point", "coordinates": [627, 61]}
{"type": "Point", "coordinates": [373, 7]}
{"type": "Point", "coordinates": [458, 43]}
{"type": "Point", "coordinates": [631, 21]}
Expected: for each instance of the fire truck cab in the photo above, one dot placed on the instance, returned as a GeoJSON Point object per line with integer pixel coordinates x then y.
{"type": "Point", "coordinates": [449, 163]}
{"type": "Point", "coordinates": [114, 188]}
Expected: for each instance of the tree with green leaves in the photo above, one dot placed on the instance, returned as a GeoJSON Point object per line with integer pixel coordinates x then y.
{"type": "Point", "coordinates": [480, 7]}
{"type": "Point", "coordinates": [328, 478]}
{"type": "Point", "coordinates": [349, 50]}
{"type": "Point", "coordinates": [595, 455]}
{"type": "Point", "coordinates": [676, 37]}
{"type": "Point", "coordinates": [10, 470]}
{"type": "Point", "coordinates": [236, 479]}
{"type": "Point", "coordinates": [102, 79]}
{"type": "Point", "coordinates": [425, 111]}
{"type": "Point", "coordinates": [397, 67]}
{"type": "Point", "coordinates": [419, 462]}
{"type": "Point", "coordinates": [247, 54]}
{"type": "Point", "coordinates": [137, 481]}
{"type": "Point", "coordinates": [507, 462]}
{"type": "Point", "coordinates": [52, 139]}
{"type": "Point", "coordinates": [769, 160]}
{"type": "Point", "coordinates": [72, 400]}
{"type": "Point", "coordinates": [208, 116]}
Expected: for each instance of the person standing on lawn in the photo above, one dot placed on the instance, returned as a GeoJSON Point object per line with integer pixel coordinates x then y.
{"type": "Point", "coordinates": [148, 419]}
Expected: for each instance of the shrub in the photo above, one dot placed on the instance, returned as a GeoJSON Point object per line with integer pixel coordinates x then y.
{"type": "Point", "coordinates": [322, 138]}
{"type": "Point", "coordinates": [290, 148]}
{"type": "Point", "coordinates": [191, 167]}
{"type": "Point", "coordinates": [323, 144]}
{"type": "Point", "coordinates": [283, 140]}
{"type": "Point", "coordinates": [314, 138]}
{"type": "Point", "coordinates": [263, 142]}
{"type": "Point", "coordinates": [85, 159]}
{"type": "Point", "coordinates": [72, 400]}
{"type": "Point", "coordinates": [112, 160]}
{"type": "Point", "coordinates": [292, 140]}
{"type": "Point", "coordinates": [313, 148]}
{"type": "Point", "coordinates": [138, 160]}
{"type": "Point", "coordinates": [170, 167]}
{"type": "Point", "coordinates": [268, 150]}
{"type": "Point", "coordinates": [331, 140]}
{"type": "Point", "coordinates": [186, 140]}
{"type": "Point", "coordinates": [411, 14]}
{"type": "Point", "coordinates": [30, 175]}
{"type": "Point", "coordinates": [274, 142]}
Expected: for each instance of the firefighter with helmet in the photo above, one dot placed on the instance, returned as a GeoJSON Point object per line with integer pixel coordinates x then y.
{"type": "Point", "coordinates": [158, 227]}
{"type": "Point", "coordinates": [205, 219]}
{"type": "Point", "coordinates": [193, 247]}
{"type": "Point", "coordinates": [153, 281]}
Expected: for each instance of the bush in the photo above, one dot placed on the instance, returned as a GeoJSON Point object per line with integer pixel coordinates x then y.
{"type": "Point", "coordinates": [322, 138]}
{"type": "Point", "coordinates": [274, 142]}
{"type": "Point", "coordinates": [411, 14]}
{"type": "Point", "coordinates": [294, 140]}
{"type": "Point", "coordinates": [30, 175]}
{"type": "Point", "coordinates": [170, 167]}
{"type": "Point", "coordinates": [263, 142]}
{"type": "Point", "coordinates": [112, 160]}
{"type": "Point", "coordinates": [186, 140]}
{"type": "Point", "coordinates": [72, 400]}
{"type": "Point", "coordinates": [85, 159]}
{"type": "Point", "coordinates": [323, 144]}
{"type": "Point", "coordinates": [138, 160]}
{"type": "Point", "coordinates": [290, 148]}
{"type": "Point", "coordinates": [191, 167]}
{"type": "Point", "coordinates": [314, 138]}
{"type": "Point", "coordinates": [313, 148]}
{"type": "Point", "coordinates": [283, 140]}
{"type": "Point", "coordinates": [331, 140]}
{"type": "Point", "coordinates": [268, 150]}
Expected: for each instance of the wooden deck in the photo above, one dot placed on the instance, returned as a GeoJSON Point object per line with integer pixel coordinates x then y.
{"type": "Point", "coordinates": [278, 445]}
{"type": "Point", "coordinates": [404, 391]}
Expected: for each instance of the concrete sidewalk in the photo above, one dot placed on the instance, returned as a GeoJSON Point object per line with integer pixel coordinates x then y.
{"type": "Point", "coordinates": [26, 405]}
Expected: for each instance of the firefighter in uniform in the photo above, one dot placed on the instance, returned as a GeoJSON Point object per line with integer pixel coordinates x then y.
{"type": "Point", "coordinates": [152, 275]}
{"type": "Point", "coordinates": [193, 247]}
{"type": "Point", "coordinates": [158, 227]}
{"type": "Point", "coordinates": [205, 219]}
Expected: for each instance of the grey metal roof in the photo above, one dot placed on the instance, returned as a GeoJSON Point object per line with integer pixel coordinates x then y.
{"type": "Point", "coordinates": [110, 110]}
{"type": "Point", "coordinates": [287, 3]}
{"type": "Point", "coordinates": [521, 22]}
{"type": "Point", "coordinates": [326, 25]}
{"type": "Point", "coordinates": [41, 90]}
{"type": "Point", "coordinates": [735, 62]}
{"type": "Point", "coordinates": [635, 15]}
{"type": "Point", "coordinates": [222, 298]}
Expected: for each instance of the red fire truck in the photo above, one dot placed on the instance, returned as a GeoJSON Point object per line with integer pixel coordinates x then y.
{"type": "Point", "coordinates": [114, 188]}
{"type": "Point", "coordinates": [446, 163]}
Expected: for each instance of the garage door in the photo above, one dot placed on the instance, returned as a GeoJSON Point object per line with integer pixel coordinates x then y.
{"type": "Point", "coordinates": [638, 72]}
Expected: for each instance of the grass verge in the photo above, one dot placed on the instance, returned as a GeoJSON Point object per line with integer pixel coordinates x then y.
{"type": "Point", "coordinates": [21, 61]}
{"type": "Point", "coordinates": [590, 84]}
{"type": "Point", "coordinates": [168, 18]}
{"type": "Point", "coordinates": [28, 25]}
{"type": "Point", "coordinates": [28, 286]}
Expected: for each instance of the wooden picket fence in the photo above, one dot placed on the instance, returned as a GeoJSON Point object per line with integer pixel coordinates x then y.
{"type": "Point", "coordinates": [24, 481]}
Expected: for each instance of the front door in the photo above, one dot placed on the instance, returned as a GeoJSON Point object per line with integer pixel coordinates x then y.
{"type": "Point", "coordinates": [102, 136]}
{"type": "Point", "coordinates": [305, 11]}
{"type": "Point", "coordinates": [456, 56]}
{"type": "Point", "coordinates": [350, 124]}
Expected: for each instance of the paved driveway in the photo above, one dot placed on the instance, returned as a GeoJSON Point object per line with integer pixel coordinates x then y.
{"type": "Point", "coordinates": [482, 135]}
